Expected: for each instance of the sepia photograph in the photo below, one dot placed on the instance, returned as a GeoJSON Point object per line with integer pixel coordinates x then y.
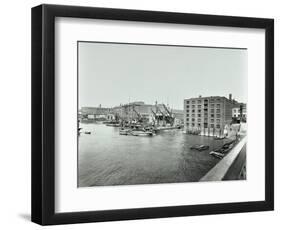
{"type": "Point", "coordinates": [152, 114]}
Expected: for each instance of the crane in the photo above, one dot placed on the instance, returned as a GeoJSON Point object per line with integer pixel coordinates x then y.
{"type": "Point", "coordinates": [138, 114]}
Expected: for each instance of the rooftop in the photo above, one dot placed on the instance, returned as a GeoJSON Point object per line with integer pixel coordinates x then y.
{"type": "Point", "coordinates": [213, 97]}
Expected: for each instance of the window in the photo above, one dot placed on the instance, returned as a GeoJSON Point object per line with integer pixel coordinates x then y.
{"type": "Point", "coordinates": [212, 105]}
{"type": "Point", "coordinates": [218, 110]}
{"type": "Point", "coordinates": [187, 119]}
{"type": "Point", "coordinates": [212, 125]}
{"type": "Point", "coordinates": [187, 106]}
{"type": "Point", "coordinates": [198, 120]}
{"type": "Point", "coordinates": [193, 102]}
{"type": "Point", "coordinates": [218, 105]}
{"type": "Point", "coordinates": [218, 126]}
{"type": "Point", "coordinates": [218, 99]}
{"type": "Point", "coordinates": [193, 111]}
{"type": "Point", "coordinates": [218, 120]}
{"type": "Point", "coordinates": [192, 124]}
{"type": "Point", "coordinates": [206, 114]}
{"type": "Point", "coordinates": [193, 119]}
{"type": "Point", "coordinates": [187, 110]}
{"type": "Point", "coordinates": [199, 111]}
{"type": "Point", "coordinates": [218, 116]}
{"type": "Point", "coordinates": [193, 106]}
{"type": "Point", "coordinates": [193, 115]}
{"type": "Point", "coordinates": [212, 100]}
{"type": "Point", "coordinates": [212, 115]}
{"type": "Point", "coordinates": [187, 114]}
{"type": "Point", "coordinates": [199, 115]}
{"type": "Point", "coordinates": [199, 125]}
{"type": "Point", "coordinates": [199, 106]}
{"type": "Point", "coordinates": [187, 124]}
{"type": "Point", "coordinates": [212, 120]}
{"type": "Point", "coordinates": [199, 101]}
{"type": "Point", "coordinates": [187, 102]}
{"type": "Point", "coordinates": [212, 110]}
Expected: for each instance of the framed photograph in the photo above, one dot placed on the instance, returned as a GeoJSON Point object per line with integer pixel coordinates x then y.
{"type": "Point", "coordinates": [144, 114]}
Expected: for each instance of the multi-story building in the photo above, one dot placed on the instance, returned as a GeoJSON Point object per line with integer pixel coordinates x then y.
{"type": "Point", "coordinates": [203, 113]}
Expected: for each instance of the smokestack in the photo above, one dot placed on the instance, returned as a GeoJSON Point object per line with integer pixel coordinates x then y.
{"type": "Point", "coordinates": [230, 96]}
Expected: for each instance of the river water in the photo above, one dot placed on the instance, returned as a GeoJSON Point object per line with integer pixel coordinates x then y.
{"type": "Point", "coordinates": [107, 158]}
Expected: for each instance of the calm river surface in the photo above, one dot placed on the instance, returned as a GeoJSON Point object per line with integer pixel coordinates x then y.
{"type": "Point", "coordinates": [107, 158]}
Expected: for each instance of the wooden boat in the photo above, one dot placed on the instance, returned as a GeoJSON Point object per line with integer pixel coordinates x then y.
{"type": "Point", "coordinates": [227, 146]}
{"type": "Point", "coordinates": [200, 147]}
{"type": "Point", "coordinates": [217, 154]}
{"type": "Point", "coordinates": [219, 138]}
{"type": "Point", "coordinates": [220, 153]}
{"type": "Point", "coordinates": [113, 124]}
{"type": "Point", "coordinates": [87, 132]}
{"type": "Point", "coordinates": [141, 133]}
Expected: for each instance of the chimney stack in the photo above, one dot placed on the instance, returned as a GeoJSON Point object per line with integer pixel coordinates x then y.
{"type": "Point", "coordinates": [230, 96]}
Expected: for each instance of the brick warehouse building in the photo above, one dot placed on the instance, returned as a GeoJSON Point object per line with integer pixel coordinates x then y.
{"type": "Point", "coordinates": [208, 115]}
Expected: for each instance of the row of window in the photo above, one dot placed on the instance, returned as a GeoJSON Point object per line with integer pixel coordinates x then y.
{"type": "Point", "coordinates": [212, 100]}
{"type": "Point", "coordinates": [200, 106]}
{"type": "Point", "coordinates": [205, 120]}
{"type": "Point", "coordinates": [205, 110]}
{"type": "Point", "coordinates": [238, 115]}
{"type": "Point", "coordinates": [238, 110]}
{"type": "Point", "coordinates": [204, 125]}
{"type": "Point", "coordinates": [205, 115]}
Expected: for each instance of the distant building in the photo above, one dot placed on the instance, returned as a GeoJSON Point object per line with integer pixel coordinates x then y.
{"type": "Point", "coordinates": [133, 110]}
{"type": "Point", "coordinates": [93, 113]}
{"type": "Point", "coordinates": [208, 113]}
{"type": "Point", "coordinates": [239, 110]}
{"type": "Point", "coordinates": [138, 110]}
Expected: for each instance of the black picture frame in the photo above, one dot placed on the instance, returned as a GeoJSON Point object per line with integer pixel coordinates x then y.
{"type": "Point", "coordinates": [43, 114]}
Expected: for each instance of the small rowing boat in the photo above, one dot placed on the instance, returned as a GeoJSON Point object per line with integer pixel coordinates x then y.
{"type": "Point", "coordinates": [200, 147]}
{"type": "Point", "coordinates": [217, 154]}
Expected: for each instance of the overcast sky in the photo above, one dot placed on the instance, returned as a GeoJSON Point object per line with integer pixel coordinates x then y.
{"type": "Point", "coordinates": [114, 74]}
